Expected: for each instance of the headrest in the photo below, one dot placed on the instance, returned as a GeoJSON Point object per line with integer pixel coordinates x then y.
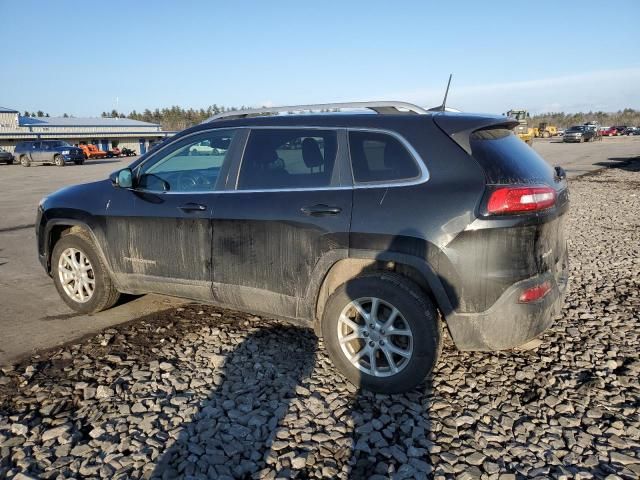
{"type": "Point", "coordinates": [311, 153]}
{"type": "Point", "coordinates": [393, 154]}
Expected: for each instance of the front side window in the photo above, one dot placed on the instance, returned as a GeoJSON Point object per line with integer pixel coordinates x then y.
{"type": "Point", "coordinates": [190, 165]}
{"type": "Point", "coordinates": [379, 157]}
{"type": "Point", "coordinates": [288, 158]}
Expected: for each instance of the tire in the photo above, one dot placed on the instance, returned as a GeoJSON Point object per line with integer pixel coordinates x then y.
{"type": "Point", "coordinates": [58, 161]}
{"type": "Point", "coordinates": [79, 162]}
{"type": "Point", "coordinates": [104, 294]}
{"type": "Point", "coordinates": [416, 314]}
{"type": "Point", "coordinates": [545, 135]}
{"type": "Point", "coordinates": [24, 161]}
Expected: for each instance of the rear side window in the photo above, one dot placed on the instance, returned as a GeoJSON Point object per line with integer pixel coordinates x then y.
{"type": "Point", "coordinates": [508, 160]}
{"type": "Point", "coordinates": [379, 157]}
{"type": "Point", "coordinates": [288, 158]}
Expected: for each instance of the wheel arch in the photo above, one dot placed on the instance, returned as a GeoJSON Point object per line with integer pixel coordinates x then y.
{"type": "Point", "coordinates": [59, 227]}
{"type": "Point", "coordinates": [361, 262]}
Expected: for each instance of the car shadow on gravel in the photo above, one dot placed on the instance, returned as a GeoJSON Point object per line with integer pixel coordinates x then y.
{"type": "Point", "coordinates": [280, 410]}
{"type": "Point", "coordinates": [235, 428]}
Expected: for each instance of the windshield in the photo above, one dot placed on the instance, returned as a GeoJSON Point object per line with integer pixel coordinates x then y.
{"type": "Point", "coordinates": [576, 129]}
{"type": "Point", "coordinates": [59, 143]}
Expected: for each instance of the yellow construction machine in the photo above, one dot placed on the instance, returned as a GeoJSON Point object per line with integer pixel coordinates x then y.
{"type": "Point", "coordinates": [544, 130]}
{"type": "Point", "coordinates": [522, 130]}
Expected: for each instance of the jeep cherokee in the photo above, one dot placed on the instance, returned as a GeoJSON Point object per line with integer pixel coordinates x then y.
{"type": "Point", "coordinates": [377, 229]}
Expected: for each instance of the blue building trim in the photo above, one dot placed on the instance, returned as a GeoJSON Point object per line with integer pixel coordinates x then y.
{"type": "Point", "coordinates": [89, 134]}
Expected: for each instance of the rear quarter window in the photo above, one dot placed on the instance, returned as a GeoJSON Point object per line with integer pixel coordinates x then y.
{"type": "Point", "coordinates": [379, 157]}
{"type": "Point", "coordinates": [508, 160]}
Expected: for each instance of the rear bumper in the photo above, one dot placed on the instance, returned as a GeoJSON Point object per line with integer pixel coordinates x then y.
{"type": "Point", "coordinates": [508, 323]}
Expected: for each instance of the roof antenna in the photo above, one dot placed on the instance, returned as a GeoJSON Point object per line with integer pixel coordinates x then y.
{"type": "Point", "coordinates": [443, 107]}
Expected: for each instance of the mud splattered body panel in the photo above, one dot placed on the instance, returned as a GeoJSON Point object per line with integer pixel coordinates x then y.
{"type": "Point", "coordinates": [265, 248]}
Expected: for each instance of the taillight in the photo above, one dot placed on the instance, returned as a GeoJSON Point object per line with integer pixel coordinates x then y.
{"type": "Point", "coordinates": [535, 293]}
{"type": "Point", "coordinates": [505, 200]}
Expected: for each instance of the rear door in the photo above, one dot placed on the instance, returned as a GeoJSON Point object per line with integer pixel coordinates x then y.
{"type": "Point", "coordinates": [159, 233]}
{"type": "Point", "coordinates": [35, 151]}
{"type": "Point", "coordinates": [287, 218]}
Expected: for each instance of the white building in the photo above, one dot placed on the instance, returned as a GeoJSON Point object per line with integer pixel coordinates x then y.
{"type": "Point", "coordinates": [102, 132]}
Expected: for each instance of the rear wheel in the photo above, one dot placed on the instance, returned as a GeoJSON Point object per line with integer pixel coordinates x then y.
{"type": "Point", "coordinates": [58, 160]}
{"type": "Point", "coordinates": [78, 162]}
{"type": "Point", "coordinates": [382, 332]}
{"type": "Point", "coordinates": [80, 277]}
{"type": "Point", "coordinates": [24, 161]}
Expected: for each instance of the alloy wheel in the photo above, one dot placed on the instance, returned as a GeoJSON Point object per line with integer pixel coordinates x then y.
{"type": "Point", "coordinates": [375, 337]}
{"type": "Point", "coordinates": [76, 275]}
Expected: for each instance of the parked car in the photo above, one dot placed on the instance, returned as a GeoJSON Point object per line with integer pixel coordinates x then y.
{"type": "Point", "coordinates": [57, 152]}
{"type": "Point", "coordinates": [6, 157]}
{"type": "Point", "coordinates": [631, 131]}
{"type": "Point", "coordinates": [92, 151]}
{"type": "Point", "coordinates": [373, 229]}
{"type": "Point", "coordinates": [620, 129]}
{"type": "Point", "coordinates": [609, 131]}
{"type": "Point", "coordinates": [580, 133]}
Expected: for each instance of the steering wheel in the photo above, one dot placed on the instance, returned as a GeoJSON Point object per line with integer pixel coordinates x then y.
{"type": "Point", "coordinates": [188, 181]}
{"type": "Point", "coordinates": [277, 164]}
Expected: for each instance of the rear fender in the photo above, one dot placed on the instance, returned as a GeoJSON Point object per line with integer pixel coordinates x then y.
{"type": "Point", "coordinates": [360, 261]}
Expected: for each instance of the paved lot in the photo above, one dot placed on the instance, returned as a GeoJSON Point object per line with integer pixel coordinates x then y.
{"type": "Point", "coordinates": [579, 158]}
{"type": "Point", "coordinates": [200, 392]}
{"type": "Point", "coordinates": [33, 317]}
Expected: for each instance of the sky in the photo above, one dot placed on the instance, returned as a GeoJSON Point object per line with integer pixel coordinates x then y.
{"type": "Point", "coordinates": [86, 57]}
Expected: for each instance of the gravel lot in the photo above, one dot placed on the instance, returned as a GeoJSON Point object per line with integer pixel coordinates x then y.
{"type": "Point", "coordinates": [202, 392]}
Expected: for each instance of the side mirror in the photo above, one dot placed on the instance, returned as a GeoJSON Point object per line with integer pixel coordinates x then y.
{"type": "Point", "coordinates": [122, 178]}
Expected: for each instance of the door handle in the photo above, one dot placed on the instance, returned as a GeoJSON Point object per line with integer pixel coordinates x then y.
{"type": "Point", "coordinates": [192, 207]}
{"type": "Point", "coordinates": [320, 210]}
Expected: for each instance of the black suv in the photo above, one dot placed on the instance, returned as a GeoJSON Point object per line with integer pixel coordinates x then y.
{"type": "Point", "coordinates": [375, 229]}
{"type": "Point", "coordinates": [47, 151]}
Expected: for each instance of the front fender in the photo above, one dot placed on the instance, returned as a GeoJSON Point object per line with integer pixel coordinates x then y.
{"type": "Point", "coordinates": [46, 244]}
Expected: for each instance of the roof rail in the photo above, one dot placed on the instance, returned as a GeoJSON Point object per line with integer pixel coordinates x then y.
{"type": "Point", "coordinates": [378, 107]}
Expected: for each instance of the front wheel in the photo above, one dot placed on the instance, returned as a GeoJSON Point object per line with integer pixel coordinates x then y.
{"type": "Point", "coordinates": [58, 160]}
{"type": "Point", "coordinates": [80, 276]}
{"type": "Point", "coordinates": [382, 332]}
{"type": "Point", "coordinates": [24, 161]}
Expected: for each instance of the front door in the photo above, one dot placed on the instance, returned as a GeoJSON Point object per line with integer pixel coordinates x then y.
{"type": "Point", "coordinates": [290, 213]}
{"type": "Point", "coordinates": [41, 152]}
{"type": "Point", "coordinates": [160, 231]}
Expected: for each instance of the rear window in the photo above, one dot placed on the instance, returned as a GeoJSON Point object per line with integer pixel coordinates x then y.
{"type": "Point", "coordinates": [288, 158]}
{"type": "Point", "coordinates": [508, 160]}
